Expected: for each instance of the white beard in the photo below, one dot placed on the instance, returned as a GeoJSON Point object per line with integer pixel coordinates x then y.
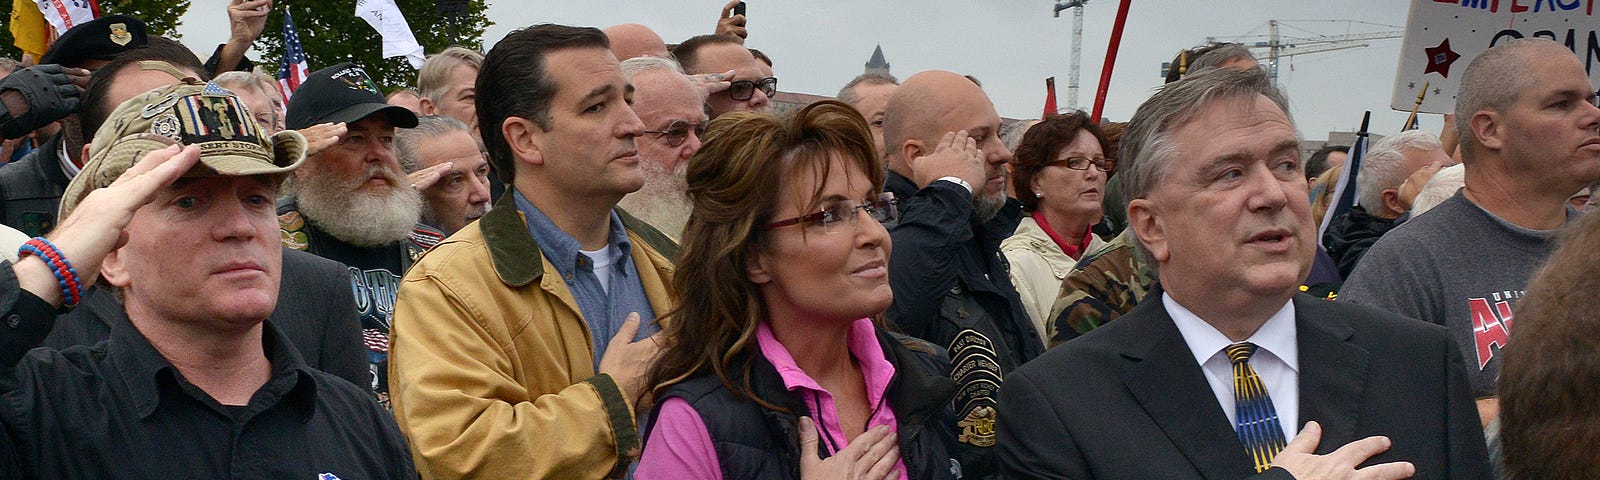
{"type": "Point", "coordinates": [357, 214]}
{"type": "Point", "coordinates": [662, 202]}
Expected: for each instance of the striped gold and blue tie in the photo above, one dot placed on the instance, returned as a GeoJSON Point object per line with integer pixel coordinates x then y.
{"type": "Point", "coordinates": [1258, 425]}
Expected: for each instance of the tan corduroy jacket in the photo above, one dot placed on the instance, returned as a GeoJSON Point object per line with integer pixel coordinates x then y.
{"type": "Point", "coordinates": [491, 365]}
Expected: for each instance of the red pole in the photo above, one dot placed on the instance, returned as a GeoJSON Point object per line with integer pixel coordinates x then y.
{"type": "Point", "coordinates": [1111, 60]}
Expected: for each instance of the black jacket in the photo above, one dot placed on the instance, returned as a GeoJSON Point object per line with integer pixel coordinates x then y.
{"type": "Point", "coordinates": [31, 188]}
{"type": "Point", "coordinates": [1351, 234]}
{"type": "Point", "coordinates": [753, 442]}
{"type": "Point", "coordinates": [952, 287]}
{"type": "Point", "coordinates": [119, 409]}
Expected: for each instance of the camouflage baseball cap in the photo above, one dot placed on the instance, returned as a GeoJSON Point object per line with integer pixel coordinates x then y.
{"type": "Point", "coordinates": [189, 113]}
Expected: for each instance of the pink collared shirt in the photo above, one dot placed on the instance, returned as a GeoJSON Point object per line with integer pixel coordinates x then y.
{"type": "Point", "coordinates": [680, 447]}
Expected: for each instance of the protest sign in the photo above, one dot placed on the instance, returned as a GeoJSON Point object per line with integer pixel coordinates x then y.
{"type": "Point", "coordinates": [1443, 36]}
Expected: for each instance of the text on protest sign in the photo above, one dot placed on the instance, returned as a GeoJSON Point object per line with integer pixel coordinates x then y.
{"type": "Point", "coordinates": [1443, 36]}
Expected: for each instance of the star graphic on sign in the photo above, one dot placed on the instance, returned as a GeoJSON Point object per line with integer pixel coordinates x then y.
{"type": "Point", "coordinates": [1440, 58]}
{"type": "Point", "coordinates": [1411, 85]}
{"type": "Point", "coordinates": [1437, 91]}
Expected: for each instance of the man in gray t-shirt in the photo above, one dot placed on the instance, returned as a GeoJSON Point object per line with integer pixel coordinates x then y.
{"type": "Point", "coordinates": [1459, 266]}
{"type": "Point", "coordinates": [1530, 138]}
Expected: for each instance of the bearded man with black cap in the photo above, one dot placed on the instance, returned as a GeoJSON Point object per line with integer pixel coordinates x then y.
{"type": "Point", "coordinates": [353, 203]}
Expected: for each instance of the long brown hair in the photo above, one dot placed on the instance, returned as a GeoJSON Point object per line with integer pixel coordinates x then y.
{"type": "Point", "coordinates": [1549, 416]}
{"type": "Point", "coordinates": [734, 184]}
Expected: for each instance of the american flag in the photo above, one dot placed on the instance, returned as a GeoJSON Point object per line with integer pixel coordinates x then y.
{"type": "Point", "coordinates": [293, 70]}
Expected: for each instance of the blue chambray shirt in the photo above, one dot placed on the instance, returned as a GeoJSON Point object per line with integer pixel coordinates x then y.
{"type": "Point", "coordinates": [603, 312]}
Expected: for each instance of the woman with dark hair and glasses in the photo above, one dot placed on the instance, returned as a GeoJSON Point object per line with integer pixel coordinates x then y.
{"type": "Point", "coordinates": [777, 363]}
{"type": "Point", "coordinates": [1059, 173]}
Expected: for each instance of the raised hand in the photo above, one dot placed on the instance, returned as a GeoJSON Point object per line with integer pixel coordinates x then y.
{"type": "Point", "coordinates": [730, 24]}
{"type": "Point", "coordinates": [956, 155]}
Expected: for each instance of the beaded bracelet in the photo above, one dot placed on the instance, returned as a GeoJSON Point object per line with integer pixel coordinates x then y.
{"type": "Point", "coordinates": [71, 290]}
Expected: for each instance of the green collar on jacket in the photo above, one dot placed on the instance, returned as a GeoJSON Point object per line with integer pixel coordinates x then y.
{"type": "Point", "coordinates": [516, 255]}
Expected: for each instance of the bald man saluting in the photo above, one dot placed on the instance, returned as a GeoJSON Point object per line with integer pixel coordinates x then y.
{"type": "Point", "coordinates": [952, 286]}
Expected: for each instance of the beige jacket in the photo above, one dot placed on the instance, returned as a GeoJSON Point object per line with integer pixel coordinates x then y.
{"type": "Point", "coordinates": [491, 366]}
{"type": "Point", "coordinates": [1037, 268]}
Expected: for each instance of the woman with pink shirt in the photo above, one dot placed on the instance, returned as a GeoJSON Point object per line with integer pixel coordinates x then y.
{"type": "Point", "coordinates": [774, 367]}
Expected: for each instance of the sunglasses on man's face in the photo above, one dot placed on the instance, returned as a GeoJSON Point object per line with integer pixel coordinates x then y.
{"type": "Point", "coordinates": [677, 132]}
{"type": "Point", "coordinates": [744, 89]}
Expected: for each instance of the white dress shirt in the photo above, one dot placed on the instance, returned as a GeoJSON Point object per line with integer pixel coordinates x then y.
{"type": "Point", "coordinates": [1276, 360]}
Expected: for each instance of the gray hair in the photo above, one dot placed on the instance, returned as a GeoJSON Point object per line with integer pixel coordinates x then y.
{"type": "Point", "coordinates": [847, 94]}
{"type": "Point", "coordinates": [1492, 82]}
{"type": "Point", "coordinates": [1011, 134]}
{"type": "Point", "coordinates": [407, 141]}
{"type": "Point", "coordinates": [637, 65]}
{"type": "Point", "coordinates": [239, 80]}
{"type": "Point", "coordinates": [1384, 165]}
{"type": "Point", "coordinates": [434, 77]}
{"type": "Point", "coordinates": [1217, 57]}
{"type": "Point", "coordinates": [261, 83]}
{"type": "Point", "coordinates": [1146, 151]}
{"type": "Point", "coordinates": [1441, 187]}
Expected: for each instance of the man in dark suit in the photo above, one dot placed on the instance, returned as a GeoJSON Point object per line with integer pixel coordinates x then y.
{"type": "Point", "coordinates": [315, 310]}
{"type": "Point", "coordinates": [1212, 380]}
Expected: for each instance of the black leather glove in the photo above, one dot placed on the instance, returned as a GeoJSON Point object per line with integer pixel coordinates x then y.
{"type": "Point", "coordinates": [50, 96]}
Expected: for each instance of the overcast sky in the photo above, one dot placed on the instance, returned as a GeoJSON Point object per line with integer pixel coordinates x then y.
{"type": "Point", "coordinates": [1011, 45]}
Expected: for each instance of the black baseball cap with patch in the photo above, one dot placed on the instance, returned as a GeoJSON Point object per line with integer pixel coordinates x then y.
{"type": "Point", "coordinates": [342, 93]}
{"type": "Point", "coordinates": [100, 39]}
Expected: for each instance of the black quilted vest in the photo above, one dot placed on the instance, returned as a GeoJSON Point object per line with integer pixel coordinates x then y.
{"type": "Point", "coordinates": [753, 442]}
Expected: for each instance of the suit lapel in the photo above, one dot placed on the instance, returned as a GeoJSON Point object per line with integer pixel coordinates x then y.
{"type": "Point", "coordinates": [1163, 377]}
{"type": "Point", "coordinates": [1333, 372]}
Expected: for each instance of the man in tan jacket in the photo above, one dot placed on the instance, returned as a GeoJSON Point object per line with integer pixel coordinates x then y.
{"type": "Point", "coordinates": [520, 343]}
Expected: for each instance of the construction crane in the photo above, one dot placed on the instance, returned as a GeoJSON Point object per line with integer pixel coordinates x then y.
{"type": "Point", "coordinates": [1278, 46]}
{"type": "Point", "coordinates": [1077, 49]}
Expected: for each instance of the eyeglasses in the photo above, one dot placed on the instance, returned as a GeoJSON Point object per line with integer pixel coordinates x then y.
{"type": "Point", "coordinates": [744, 89]}
{"type": "Point", "coordinates": [1104, 164]}
{"type": "Point", "coordinates": [677, 132]}
{"type": "Point", "coordinates": [832, 219]}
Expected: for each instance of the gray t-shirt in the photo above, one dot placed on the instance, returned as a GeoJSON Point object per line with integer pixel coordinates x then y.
{"type": "Point", "coordinates": [1458, 266]}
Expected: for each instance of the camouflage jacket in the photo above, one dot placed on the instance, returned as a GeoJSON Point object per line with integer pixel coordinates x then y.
{"type": "Point", "coordinates": [1105, 284]}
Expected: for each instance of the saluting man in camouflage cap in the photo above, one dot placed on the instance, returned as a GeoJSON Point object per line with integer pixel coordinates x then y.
{"type": "Point", "coordinates": [194, 367]}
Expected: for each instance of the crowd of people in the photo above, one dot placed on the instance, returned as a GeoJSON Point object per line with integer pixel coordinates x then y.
{"type": "Point", "coordinates": [589, 253]}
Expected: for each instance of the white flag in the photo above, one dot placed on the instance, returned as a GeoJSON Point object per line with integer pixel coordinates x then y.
{"type": "Point", "coordinates": [398, 40]}
{"type": "Point", "coordinates": [65, 14]}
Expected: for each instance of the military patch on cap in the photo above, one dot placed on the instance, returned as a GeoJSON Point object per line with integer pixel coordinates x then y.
{"type": "Point", "coordinates": [167, 126]}
{"type": "Point", "coordinates": [356, 78]}
{"type": "Point", "coordinates": [215, 90]}
{"type": "Point", "coordinates": [208, 118]}
{"type": "Point", "coordinates": [159, 106]}
{"type": "Point", "coordinates": [119, 34]}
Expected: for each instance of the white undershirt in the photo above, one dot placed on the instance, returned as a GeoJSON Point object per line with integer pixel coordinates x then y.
{"type": "Point", "coordinates": [602, 266]}
{"type": "Point", "coordinates": [1276, 361]}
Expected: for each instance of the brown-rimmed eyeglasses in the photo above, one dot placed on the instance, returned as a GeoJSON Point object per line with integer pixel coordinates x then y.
{"type": "Point", "coordinates": [1104, 164]}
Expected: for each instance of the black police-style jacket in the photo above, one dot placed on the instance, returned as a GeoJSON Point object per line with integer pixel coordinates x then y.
{"type": "Point", "coordinates": [753, 442]}
{"type": "Point", "coordinates": [952, 287]}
